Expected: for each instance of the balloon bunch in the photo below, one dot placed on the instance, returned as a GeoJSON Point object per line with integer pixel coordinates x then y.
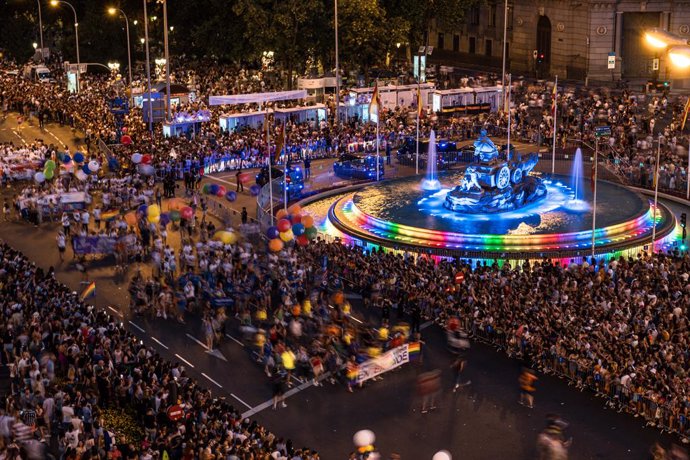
{"type": "Point", "coordinates": [48, 172]}
{"type": "Point", "coordinates": [215, 189]}
{"type": "Point", "coordinates": [81, 170]}
{"type": "Point", "coordinates": [292, 224]}
{"type": "Point", "coordinates": [225, 237]}
{"type": "Point", "coordinates": [364, 441]}
{"type": "Point", "coordinates": [143, 163]}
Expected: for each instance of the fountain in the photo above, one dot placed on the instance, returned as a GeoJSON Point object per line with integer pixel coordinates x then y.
{"type": "Point", "coordinates": [577, 180]}
{"type": "Point", "coordinates": [430, 183]}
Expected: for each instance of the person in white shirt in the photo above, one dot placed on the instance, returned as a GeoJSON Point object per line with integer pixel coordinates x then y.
{"type": "Point", "coordinates": [61, 242]}
{"type": "Point", "coordinates": [85, 218]}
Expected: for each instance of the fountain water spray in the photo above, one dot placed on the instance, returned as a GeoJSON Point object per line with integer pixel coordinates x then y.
{"type": "Point", "coordinates": [430, 182]}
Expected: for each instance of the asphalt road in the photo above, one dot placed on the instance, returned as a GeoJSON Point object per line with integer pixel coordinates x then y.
{"type": "Point", "coordinates": [483, 421]}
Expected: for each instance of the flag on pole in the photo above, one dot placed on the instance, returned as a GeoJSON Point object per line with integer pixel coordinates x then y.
{"type": "Point", "coordinates": [593, 176]}
{"type": "Point", "coordinates": [280, 143]}
{"type": "Point", "coordinates": [685, 114]}
{"type": "Point", "coordinates": [375, 104]}
{"type": "Point", "coordinates": [89, 291]}
{"type": "Point", "coordinates": [420, 104]}
{"type": "Point", "coordinates": [554, 96]}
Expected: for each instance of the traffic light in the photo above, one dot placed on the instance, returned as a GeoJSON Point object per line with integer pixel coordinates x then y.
{"type": "Point", "coordinates": [683, 219]}
{"type": "Point", "coordinates": [540, 58]}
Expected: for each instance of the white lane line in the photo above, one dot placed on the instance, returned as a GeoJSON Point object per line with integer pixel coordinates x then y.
{"type": "Point", "coordinates": [185, 361]}
{"type": "Point", "coordinates": [159, 343]}
{"type": "Point", "coordinates": [137, 326]}
{"type": "Point", "coordinates": [351, 317]}
{"type": "Point", "coordinates": [234, 396]}
{"type": "Point", "coordinates": [234, 339]}
{"type": "Point", "coordinates": [212, 381]}
{"type": "Point", "coordinates": [294, 377]}
{"type": "Point", "coordinates": [16, 133]}
{"type": "Point", "coordinates": [197, 341]}
{"type": "Point", "coordinates": [234, 184]}
{"type": "Point", "coordinates": [114, 311]}
{"type": "Point", "coordinates": [425, 325]}
{"type": "Point", "coordinates": [55, 137]}
{"type": "Point", "coordinates": [268, 403]}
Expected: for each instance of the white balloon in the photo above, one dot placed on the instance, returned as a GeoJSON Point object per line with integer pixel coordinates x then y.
{"type": "Point", "coordinates": [39, 177]}
{"type": "Point", "coordinates": [136, 158]}
{"type": "Point", "coordinates": [146, 170]}
{"type": "Point", "coordinates": [81, 175]}
{"type": "Point", "coordinates": [442, 455]}
{"type": "Point", "coordinates": [364, 438]}
{"type": "Point", "coordinates": [93, 166]}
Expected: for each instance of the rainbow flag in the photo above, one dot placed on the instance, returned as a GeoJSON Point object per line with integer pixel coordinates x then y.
{"type": "Point", "coordinates": [414, 350]}
{"type": "Point", "coordinates": [420, 104]}
{"type": "Point", "coordinates": [110, 215]}
{"type": "Point", "coordinates": [89, 291]}
{"type": "Point", "coordinates": [375, 104]}
{"type": "Point", "coordinates": [685, 114]}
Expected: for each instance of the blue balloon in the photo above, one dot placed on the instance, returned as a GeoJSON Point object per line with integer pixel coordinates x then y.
{"type": "Point", "coordinates": [272, 232]}
{"type": "Point", "coordinates": [86, 169]}
{"type": "Point", "coordinates": [113, 165]}
{"type": "Point", "coordinates": [298, 229]}
{"type": "Point", "coordinates": [164, 219]}
{"type": "Point", "coordinates": [66, 158]}
{"type": "Point", "coordinates": [142, 209]}
{"type": "Point", "coordinates": [231, 196]}
{"type": "Point", "coordinates": [213, 189]}
{"type": "Point", "coordinates": [79, 157]}
{"type": "Point", "coordinates": [254, 190]}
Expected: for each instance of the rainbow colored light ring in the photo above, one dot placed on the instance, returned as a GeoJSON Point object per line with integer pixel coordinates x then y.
{"type": "Point", "coordinates": [350, 220]}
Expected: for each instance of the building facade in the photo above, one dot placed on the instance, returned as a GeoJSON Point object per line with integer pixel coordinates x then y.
{"type": "Point", "coordinates": [574, 39]}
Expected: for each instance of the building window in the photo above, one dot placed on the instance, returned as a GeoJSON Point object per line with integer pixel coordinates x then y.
{"type": "Point", "coordinates": [456, 43]}
{"type": "Point", "coordinates": [488, 45]}
{"type": "Point", "coordinates": [492, 15]}
{"type": "Point", "coordinates": [474, 16]}
{"type": "Point", "coordinates": [441, 39]}
{"type": "Point", "coordinates": [473, 45]}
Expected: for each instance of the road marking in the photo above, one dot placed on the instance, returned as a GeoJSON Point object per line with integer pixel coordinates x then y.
{"type": "Point", "coordinates": [351, 317]}
{"type": "Point", "coordinates": [234, 396]}
{"type": "Point", "coordinates": [137, 326]}
{"type": "Point", "coordinates": [115, 311]}
{"type": "Point", "coordinates": [212, 381]}
{"type": "Point", "coordinates": [185, 361]}
{"type": "Point", "coordinates": [234, 339]}
{"type": "Point", "coordinates": [197, 341]}
{"type": "Point", "coordinates": [159, 343]}
{"type": "Point", "coordinates": [55, 137]}
{"type": "Point", "coordinates": [16, 133]}
{"type": "Point", "coordinates": [294, 377]}
{"type": "Point", "coordinates": [425, 325]}
{"type": "Point", "coordinates": [234, 184]}
{"type": "Point", "coordinates": [268, 403]}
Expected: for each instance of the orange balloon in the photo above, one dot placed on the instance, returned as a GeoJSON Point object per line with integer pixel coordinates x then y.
{"type": "Point", "coordinates": [175, 204]}
{"type": "Point", "coordinates": [275, 245]}
{"type": "Point", "coordinates": [294, 209]}
{"type": "Point", "coordinates": [131, 219]}
{"type": "Point", "coordinates": [307, 221]}
{"type": "Point", "coordinates": [281, 214]}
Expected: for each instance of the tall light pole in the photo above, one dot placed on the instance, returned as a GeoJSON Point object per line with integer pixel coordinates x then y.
{"type": "Point", "coordinates": [167, 60]}
{"type": "Point", "coordinates": [76, 33]}
{"type": "Point", "coordinates": [656, 190]}
{"type": "Point", "coordinates": [40, 25]}
{"type": "Point", "coordinates": [113, 12]}
{"type": "Point", "coordinates": [337, 70]}
{"type": "Point", "coordinates": [148, 69]}
{"type": "Point", "coordinates": [505, 45]}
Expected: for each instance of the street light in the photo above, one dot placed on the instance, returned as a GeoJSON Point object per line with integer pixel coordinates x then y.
{"type": "Point", "coordinates": [680, 56]}
{"type": "Point", "coordinates": [167, 60]}
{"type": "Point", "coordinates": [40, 25]}
{"type": "Point", "coordinates": [35, 45]}
{"type": "Point", "coordinates": [55, 3]}
{"type": "Point", "coordinates": [113, 12]}
{"type": "Point", "coordinates": [660, 39]}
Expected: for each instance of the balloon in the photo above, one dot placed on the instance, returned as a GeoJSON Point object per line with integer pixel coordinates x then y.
{"type": "Point", "coordinates": [295, 218]}
{"type": "Point", "coordinates": [302, 240]}
{"type": "Point", "coordinates": [213, 189]}
{"type": "Point", "coordinates": [364, 438]}
{"type": "Point", "coordinates": [175, 204]}
{"type": "Point", "coordinates": [154, 219]}
{"type": "Point", "coordinates": [146, 170]}
{"type": "Point", "coordinates": [272, 232]}
{"type": "Point", "coordinates": [66, 158]}
{"type": "Point", "coordinates": [131, 219]}
{"type": "Point", "coordinates": [165, 219]}
{"type": "Point", "coordinates": [254, 190]}
{"type": "Point", "coordinates": [294, 209]}
{"type": "Point", "coordinates": [113, 165]}
{"type": "Point", "coordinates": [187, 212]}
{"type": "Point", "coordinates": [281, 214]}
{"type": "Point", "coordinates": [136, 158]}
{"type": "Point", "coordinates": [283, 225]}
{"type": "Point", "coordinates": [311, 233]}
{"type": "Point", "coordinates": [226, 237]}
{"type": "Point", "coordinates": [275, 245]}
{"type": "Point", "coordinates": [86, 169]}
{"type": "Point", "coordinates": [93, 165]}
{"type": "Point", "coordinates": [49, 174]}
{"type": "Point", "coordinates": [338, 298]}
{"type": "Point", "coordinates": [175, 216]}
{"type": "Point", "coordinates": [39, 177]}
{"type": "Point", "coordinates": [126, 140]}
{"type": "Point", "coordinates": [142, 209]}
{"type": "Point", "coordinates": [442, 455]}
{"type": "Point", "coordinates": [298, 229]}
{"type": "Point", "coordinates": [204, 189]}
{"type": "Point", "coordinates": [146, 159]}
{"type": "Point", "coordinates": [307, 221]}
{"type": "Point", "coordinates": [221, 191]}
{"type": "Point", "coordinates": [78, 157]}
{"type": "Point", "coordinates": [287, 236]}
{"type": "Point", "coordinates": [153, 210]}
{"type": "Point", "coordinates": [50, 164]}
{"type": "Point", "coordinates": [231, 196]}
{"type": "Point", "coordinates": [81, 175]}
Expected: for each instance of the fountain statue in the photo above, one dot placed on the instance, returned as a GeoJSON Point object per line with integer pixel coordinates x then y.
{"type": "Point", "coordinates": [430, 182]}
{"type": "Point", "coordinates": [492, 184]}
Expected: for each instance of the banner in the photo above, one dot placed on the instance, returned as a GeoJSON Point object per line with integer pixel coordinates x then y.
{"type": "Point", "coordinates": [386, 362]}
{"type": "Point", "coordinates": [83, 245]}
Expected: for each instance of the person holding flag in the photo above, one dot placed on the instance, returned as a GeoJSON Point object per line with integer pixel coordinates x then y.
{"type": "Point", "coordinates": [374, 109]}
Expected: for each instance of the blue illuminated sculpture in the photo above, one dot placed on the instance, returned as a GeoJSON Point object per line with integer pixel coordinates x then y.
{"type": "Point", "coordinates": [492, 184]}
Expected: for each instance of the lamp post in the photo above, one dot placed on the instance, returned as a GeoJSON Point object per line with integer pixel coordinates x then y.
{"type": "Point", "coordinates": [148, 69]}
{"type": "Point", "coordinates": [337, 70]}
{"type": "Point", "coordinates": [656, 190]}
{"type": "Point", "coordinates": [40, 25]}
{"type": "Point", "coordinates": [505, 45]}
{"type": "Point", "coordinates": [76, 33]}
{"type": "Point", "coordinates": [167, 60]}
{"type": "Point", "coordinates": [113, 12]}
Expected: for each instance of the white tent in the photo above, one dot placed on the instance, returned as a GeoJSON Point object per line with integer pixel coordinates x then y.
{"type": "Point", "coordinates": [257, 98]}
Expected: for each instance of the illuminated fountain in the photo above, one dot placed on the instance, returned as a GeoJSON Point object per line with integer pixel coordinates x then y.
{"type": "Point", "coordinates": [494, 209]}
{"type": "Point", "coordinates": [430, 183]}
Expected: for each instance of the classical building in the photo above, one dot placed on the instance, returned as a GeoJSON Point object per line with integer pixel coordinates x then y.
{"type": "Point", "coordinates": [574, 39]}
